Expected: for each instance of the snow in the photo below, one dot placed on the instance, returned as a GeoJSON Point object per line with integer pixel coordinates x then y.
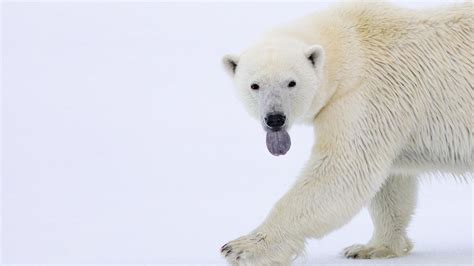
{"type": "Point", "coordinates": [123, 141]}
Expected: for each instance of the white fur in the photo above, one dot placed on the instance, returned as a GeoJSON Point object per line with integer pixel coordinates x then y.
{"type": "Point", "coordinates": [391, 96]}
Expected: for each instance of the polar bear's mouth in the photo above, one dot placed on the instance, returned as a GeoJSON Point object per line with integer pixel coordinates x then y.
{"type": "Point", "coordinates": [278, 142]}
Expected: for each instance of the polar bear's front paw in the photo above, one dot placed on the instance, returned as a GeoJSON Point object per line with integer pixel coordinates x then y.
{"type": "Point", "coordinates": [242, 248]}
{"type": "Point", "coordinates": [254, 249]}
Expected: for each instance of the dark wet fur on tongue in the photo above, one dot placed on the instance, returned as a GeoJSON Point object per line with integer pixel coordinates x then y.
{"type": "Point", "coordinates": [278, 142]}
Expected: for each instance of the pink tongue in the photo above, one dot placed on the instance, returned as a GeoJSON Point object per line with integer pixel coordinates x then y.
{"type": "Point", "coordinates": [278, 142]}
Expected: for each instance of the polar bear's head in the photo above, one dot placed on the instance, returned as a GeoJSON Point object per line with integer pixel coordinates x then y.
{"type": "Point", "coordinates": [277, 81]}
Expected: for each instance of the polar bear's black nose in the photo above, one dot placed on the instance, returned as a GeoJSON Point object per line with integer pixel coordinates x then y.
{"type": "Point", "coordinates": [275, 121]}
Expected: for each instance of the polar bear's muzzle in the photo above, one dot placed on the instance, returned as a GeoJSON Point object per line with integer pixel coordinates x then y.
{"type": "Point", "coordinates": [274, 114]}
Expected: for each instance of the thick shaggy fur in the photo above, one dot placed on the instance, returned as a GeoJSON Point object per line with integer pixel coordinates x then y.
{"type": "Point", "coordinates": [391, 97]}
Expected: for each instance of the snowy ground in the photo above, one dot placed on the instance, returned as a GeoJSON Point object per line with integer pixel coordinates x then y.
{"type": "Point", "coordinates": [123, 141]}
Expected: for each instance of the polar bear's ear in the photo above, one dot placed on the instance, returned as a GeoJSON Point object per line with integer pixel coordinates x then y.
{"type": "Point", "coordinates": [315, 55]}
{"type": "Point", "coordinates": [230, 63]}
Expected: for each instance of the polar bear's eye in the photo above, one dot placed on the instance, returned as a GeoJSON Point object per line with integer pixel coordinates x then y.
{"type": "Point", "coordinates": [254, 87]}
{"type": "Point", "coordinates": [291, 84]}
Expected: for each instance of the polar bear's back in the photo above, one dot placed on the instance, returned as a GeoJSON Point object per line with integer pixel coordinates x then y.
{"type": "Point", "coordinates": [419, 65]}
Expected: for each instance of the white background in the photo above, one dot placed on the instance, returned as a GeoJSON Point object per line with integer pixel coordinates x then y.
{"type": "Point", "coordinates": [124, 142]}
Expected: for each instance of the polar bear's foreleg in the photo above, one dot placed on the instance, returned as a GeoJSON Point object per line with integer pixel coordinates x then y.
{"type": "Point", "coordinates": [330, 192]}
{"type": "Point", "coordinates": [391, 210]}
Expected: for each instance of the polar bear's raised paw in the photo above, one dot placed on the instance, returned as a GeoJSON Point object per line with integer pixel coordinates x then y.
{"type": "Point", "coordinates": [259, 249]}
{"type": "Point", "coordinates": [243, 248]}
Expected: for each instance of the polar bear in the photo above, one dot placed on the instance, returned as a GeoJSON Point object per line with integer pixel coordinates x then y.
{"type": "Point", "coordinates": [390, 93]}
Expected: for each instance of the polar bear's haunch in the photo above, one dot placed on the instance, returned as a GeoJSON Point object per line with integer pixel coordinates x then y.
{"type": "Point", "coordinates": [390, 92]}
